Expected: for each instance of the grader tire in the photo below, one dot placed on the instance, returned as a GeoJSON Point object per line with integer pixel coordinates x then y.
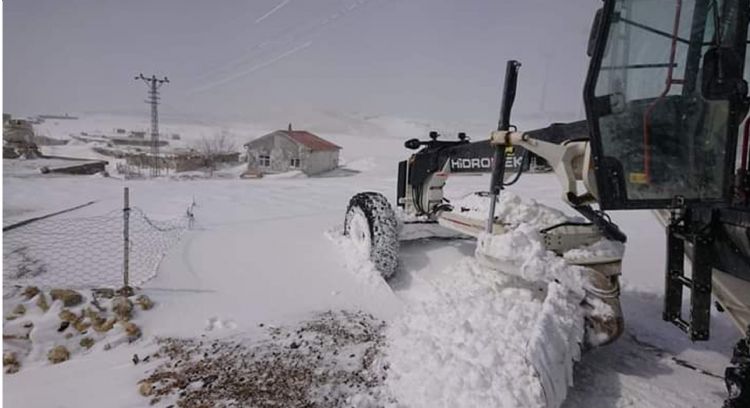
{"type": "Point", "coordinates": [372, 225]}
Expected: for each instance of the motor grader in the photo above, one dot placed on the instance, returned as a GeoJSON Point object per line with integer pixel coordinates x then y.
{"type": "Point", "coordinates": [666, 129]}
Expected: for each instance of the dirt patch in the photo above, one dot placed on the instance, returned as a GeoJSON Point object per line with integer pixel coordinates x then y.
{"type": "Point", "coordinates": [333, 360]}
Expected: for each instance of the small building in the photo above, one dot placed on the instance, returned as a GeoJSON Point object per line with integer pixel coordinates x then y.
{"type": "Point", "coordinates": [18, 139]}
{"type": "Point", "coordinates": [17, 130]}
{"type": "Point", "coordinates": [287, 150]}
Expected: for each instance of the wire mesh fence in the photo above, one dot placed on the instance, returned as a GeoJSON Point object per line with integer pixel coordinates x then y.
{"type": "Point", "coordinates": [90, 252]}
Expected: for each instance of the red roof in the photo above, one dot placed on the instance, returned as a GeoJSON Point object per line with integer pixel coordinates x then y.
{"type": "Point", "coordinates": [308, 139]}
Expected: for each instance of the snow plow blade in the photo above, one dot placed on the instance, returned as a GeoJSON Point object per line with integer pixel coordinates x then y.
{"type": "Point", "coordinates": [579, 246]}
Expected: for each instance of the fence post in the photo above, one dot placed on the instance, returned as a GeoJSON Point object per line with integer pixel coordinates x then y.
{"type": "Point", "coordinates": [126, 239]}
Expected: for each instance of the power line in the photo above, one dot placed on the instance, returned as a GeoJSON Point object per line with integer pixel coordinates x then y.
{"type": "Point", "coordinates": [154, 84]}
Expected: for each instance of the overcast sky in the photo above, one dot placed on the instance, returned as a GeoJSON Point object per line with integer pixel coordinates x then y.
{"type": "Point", "coordinates": [431, 59]}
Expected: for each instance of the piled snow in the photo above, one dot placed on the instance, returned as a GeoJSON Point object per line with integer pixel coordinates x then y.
{"type": "Point", "coordinates": [354, 259]}
{"type": "Point", "coordinates": [512, 210]}
{"type": "Point", "coordinates": [491, 339]}
{"type": "Point", "coordinates": [286, 175]}
{"type": "Point", "coordinates": [603, 248]}
{"type": "Point", "coordinates": [364, 164]}
{"type": "Point", "coordinates": [555, 343]}
{"type": "Point", "coordinates": [488, 341]}
{"type": "Point", "coordinates": [521, 250]}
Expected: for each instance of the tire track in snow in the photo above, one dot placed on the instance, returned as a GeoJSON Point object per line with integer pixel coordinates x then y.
{"type": "Point", "coordinates": [625, 375]}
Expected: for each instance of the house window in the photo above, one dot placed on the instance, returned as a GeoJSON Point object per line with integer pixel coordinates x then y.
{"type": "Point", "coordinates": [294, 163]}
{"type": "Point", "coordinates": [265, 160]}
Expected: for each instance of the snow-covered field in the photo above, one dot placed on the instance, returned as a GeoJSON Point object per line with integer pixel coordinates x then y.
{"type": "Point", "coordinates": [264, 253]}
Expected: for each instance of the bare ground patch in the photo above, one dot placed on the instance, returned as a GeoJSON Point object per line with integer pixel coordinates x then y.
{"type": "Point", "coordinates": [333, 360]}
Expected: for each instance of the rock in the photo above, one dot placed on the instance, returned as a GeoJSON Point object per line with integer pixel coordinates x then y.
{"type": "Point", "coordinates": [144, 302]}
{"type": "Point", "coordinates": [122, 307]}
{"type": "Point", "coordinates": [9, 358]}
{"type": "Point", "coordinates": [67, 316]}
{"type": "Point", "coordinates": [68, 335]}
{"type": "Point", "coordinates": [81, 325]}
{"type": "Point", "coordinates": [105, 326]}
{"type": "Point", "coordinates": [30, 291]}
{"type": "Point", "coordinates": [132, 330]}
{"type": "Point", "coordinates": [58, 354]}
{"type": "Point", "coordinates": [63, 326]}
{"type": "Point", "coordinates": [41, 302]}
{"type": "Point", "coordinates": [93, 315]}
{"type": "Point", "coordinates": [69, 297]}
{"type": "Point", "coordinates": [86, 342]}
{"type": "Point", "coordinates": [19, 310]}
{"type": "Point", "coordinates": [146, 388]}
{"type": "Point", "coordinates": [10, 362]}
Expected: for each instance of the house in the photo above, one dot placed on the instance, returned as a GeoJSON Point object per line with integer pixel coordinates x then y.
{"type": "Point", "coordinates": [18, 139]}
{"type": "Point", "coordinates": [286, 150]}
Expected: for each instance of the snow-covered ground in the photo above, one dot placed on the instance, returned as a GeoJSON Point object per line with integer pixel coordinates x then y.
{"type": "Point", "coordinates": [261, 255]}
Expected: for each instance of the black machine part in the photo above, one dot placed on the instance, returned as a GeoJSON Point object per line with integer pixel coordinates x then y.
{"type": "Point", "coordinates": [498, 156]}
{"type": "Point", "coordinates": [462, 156]}
{"type": "Point", "coordinates": [382, 229]}
{"type": "Point", "coordinates": [663, 119]}
{"type": "Point", "coordinates": [664, 97]}
{"type": "Point", "coordinates": [737, 377]}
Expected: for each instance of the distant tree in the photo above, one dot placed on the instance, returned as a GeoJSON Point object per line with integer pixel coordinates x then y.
{"type": "Point", "coordinates": [213, 147]}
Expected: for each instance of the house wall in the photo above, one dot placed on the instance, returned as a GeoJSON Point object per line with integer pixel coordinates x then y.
{"type": "Point", "coordinates": [282, 150]}
{"type": "Point", "coordinates": [279, 148]}
{"type": "Point", "coordinates": [18, 130]}
{"type": "Point", "coordinates": [320, 161]}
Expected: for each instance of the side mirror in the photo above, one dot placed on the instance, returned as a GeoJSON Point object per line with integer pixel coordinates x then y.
{"type": "Point", "coordinates": [721, 76]}
{"type": "Point", "coordinates": [594, 33]}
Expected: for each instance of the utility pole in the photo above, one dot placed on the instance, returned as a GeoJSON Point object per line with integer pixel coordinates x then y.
{"type": "Point", "coordinates": [126, 239]}
{"type": "Point", "coordinates": [153, 99]}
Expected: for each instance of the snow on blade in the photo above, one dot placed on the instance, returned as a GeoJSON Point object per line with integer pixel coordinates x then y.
{"type": "Point", "coordinates": [521, 250]}
{"type": "Point", "coordinates": [491, 339]}
{"type": "Point", "coordinates": [512, 210]}
{"type": "Point", "coordinates": [501, 344]}
{"type": "Point", "coordinates": [555, 343]}
{"type": "Point", "coordinates": [603, 248]}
